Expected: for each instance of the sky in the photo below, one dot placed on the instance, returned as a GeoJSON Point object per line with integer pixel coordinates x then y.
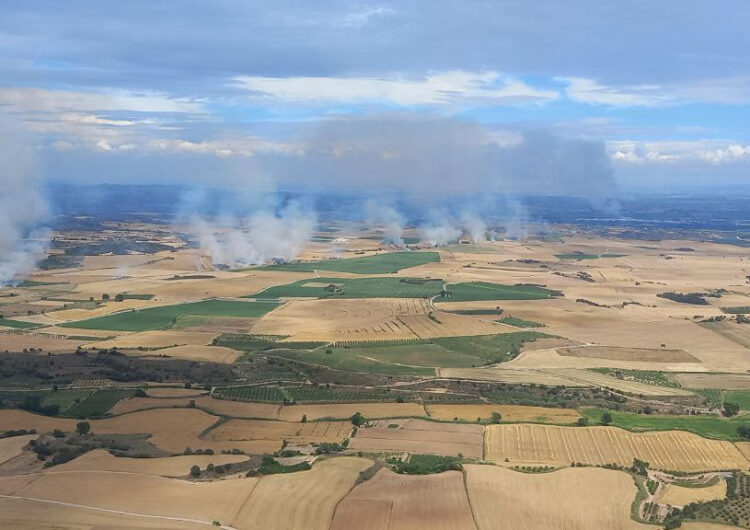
{"type": "Point", "coordinates": [638, 95]}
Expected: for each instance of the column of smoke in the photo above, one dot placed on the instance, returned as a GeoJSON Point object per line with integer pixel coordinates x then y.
{"type": "Point", "coordinates": [444, 229]}
{"type": "Point", "coordinates": [258, 232]}
{"type": "Point", "coordinates": [23, 209]}
{"type": "Point", "coordinates": [389, 219]}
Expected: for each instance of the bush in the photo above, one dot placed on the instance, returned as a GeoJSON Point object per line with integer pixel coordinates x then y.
{"type": "Point", "coordinates": [195, 471]}
{"type": "Point", "coordinates": [606, 418]}
{"type": "Point", "coordinates": [582, 422]}
{"type": "Point", "coordinates": [83, 427]}
{"type": "Point", "coordinates": [730, 409]}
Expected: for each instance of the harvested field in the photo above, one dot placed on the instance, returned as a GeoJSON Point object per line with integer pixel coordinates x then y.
{"type": "Point", "coordinates": [420, 436]}
{"type": "Point", "coordinates": [157, 339]}
{"type": "Point", "coordinates": [680, 496]}
{"type": "Point", "coordinates": [191, 352]}
{"type": "Point", "coordinates": [12, 447]}
{"type": "Point", "coordinates": [509, 375]}
{"type": "Point", "coordinates": [145, 494]}
{"type": "Point", "coordinates": [534, 357]}
{"type": "Point", "coordinates": [513, 413]}
{"type": "Point", "coordinates": [560, 446]}
{"type": "Point", "coordinates": [272, 433]}
{"type": "Point", "coordinates": [629, 354]}
{"type": "Point", "coordinates": [402, 502]}
{"type": "Point", "coordinates": [300, 501]}
{"type": "Point", "coordinates": [21, 514]}
{"type": "Point", "coordinates": [580, 498]}
{"type": "Point", "coordinates": [220, 407]}
{"type": "Point", "coordinates": [170, 466]}
{"type": "Point", "coordinates": [731, 330]}
{"type": "Point", "coordinates": [346, 410]}
{"type": "Point", "coordinates": [19, 341]}
{"type": "Point", "coordinates": [724, 381]}
{"type": "Point", "coordinates": [173, 392]}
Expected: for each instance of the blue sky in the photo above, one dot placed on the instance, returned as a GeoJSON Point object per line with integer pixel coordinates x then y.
{"type": "Point", "coordinates": [295, 92]}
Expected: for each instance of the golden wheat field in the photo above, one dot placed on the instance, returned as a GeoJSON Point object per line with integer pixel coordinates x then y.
{"type": "Point", "coordinates": [274, 432]}
{"type": "Point", "coordinates": [680, 496]}
{"type": "Point", "coordinates": [561, 446]}
{"type": "Point", "coordinates": [512, 413]}
{"type": "Point", "coordinates": [398, 502]}
{"type": "Point", "coordinates": [580, 498]}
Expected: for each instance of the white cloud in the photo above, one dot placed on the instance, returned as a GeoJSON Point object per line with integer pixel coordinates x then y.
{"type": "Point", "coordinates": [245, 147]}
{"type": "Point", "coordinates": [438, 89]}
{"type": "Point", "coordinates": [729, 91]}
{"type": "Point", "coordinates": [40, 100]}
{"type": "Point", "coordinates": [714, 152]}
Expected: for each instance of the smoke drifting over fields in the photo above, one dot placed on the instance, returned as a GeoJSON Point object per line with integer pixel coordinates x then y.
{"type": "Point", "coordinates": [23, 209]}
{"type": "Point", "coordinates": [250, 229]}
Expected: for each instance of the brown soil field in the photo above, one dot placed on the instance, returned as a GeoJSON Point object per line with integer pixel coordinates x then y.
{"type": "Point", "coordinates": [549, 358]}
{"type": "Point", "coordinates": [401, 502]}
{"type": "Point", "coordinates": [725, 381]}
{"type": "Point", "coordinates": [272, 433]}
{"type": "Point", "coordinates": [731, 330]}
{"type": "Point", "coordinates": [560, 446]}
{"type": "Point", "coordinates": [170, 466]}
{"type": "Point", "coordinates": [173, 392]}
{"type": "Point", "coordinates": [191, 352]}
{"type": "Point", "coordinates": [509, 413]}
{"type": "Point", "coordinates": [145, 494]}
{"type": "Point", "coordinates": [509, 375]}
{"type": "Point", "coordinates": [20, 514]}
{"type": "Point", "coordinates": [157, 339]}
{"type": "Point", "coordinates": [67, 315]}
{"type": "Point", "coordinates": [580, 498]}
{"type": "Point", "coordinates": [628, 354]}
{"type": "Point", "coordinates": [421, 436]}
{"type": "Point", "coordinates": [346, 410]}
{"type": "Point", "coordinates": [679, 496]}
{"type": "Point", "coordinates": [12, 447]}
{"type": "Point", "coordinates": [220, 407]}
{"type": "Point", "coordinates": [300, 501]}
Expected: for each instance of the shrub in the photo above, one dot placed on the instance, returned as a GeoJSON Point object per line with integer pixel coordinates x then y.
{"type": "Point", "coordinates": [83, 427]}
{"type": "Point", "coordinates": [195, 471]}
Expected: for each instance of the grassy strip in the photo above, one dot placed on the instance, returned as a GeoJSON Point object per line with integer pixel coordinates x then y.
{"type": "Point", "coordinates": [164, 317]}
{"type": "Point", "coordinates": [707, 426]}
{"type": "Point", "coordinates": [520, 323]}
{"type": "Point", "coordinates": [18, 324]}
{"type": "Point", "coordinates": [479, 291]}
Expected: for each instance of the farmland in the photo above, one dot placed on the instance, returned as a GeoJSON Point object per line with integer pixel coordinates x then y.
{"type": "Point", "coordinates": [165, 316]}
{"type": "Point", "coordinates": [354, 288]}
{"type": "Point", "coordinates": [553, 445]}
{"type": "Point", "coordinates": [478, 291]}
{"type": "Point", "coordinates": [375, 264]}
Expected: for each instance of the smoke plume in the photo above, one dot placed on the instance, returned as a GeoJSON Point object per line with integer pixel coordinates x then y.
{"type": "Point", "coordinates": [387, 217]}
{"type": "Point", "coordinates": [248, 229]}
{"type": "Point", "coordinates": [23, 209]}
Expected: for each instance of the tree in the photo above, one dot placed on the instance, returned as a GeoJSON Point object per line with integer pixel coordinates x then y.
{"type": "Point", "coordinates": [119, 297]}
{"type": "Point", "coordinates": [582, 422]}
{"type": "Point", "coordinates": [730, 409]}
{"type": "Point", "coordinates": [358, 419]}
{"type": "Point", "coordinates": [83, 427]}
{"type": "Point", "coordinates": [744, 431]}
{"type": "Point", "coordinates": [496, 417]}
{"type": "Point", "coordinates": [606, 418]}
{"type": "Point", "coordinates": [105, 296]}
{"type": "Point", "coordinates": [304, 418]}
{"type": "Point", "coordinates": [195, 471]}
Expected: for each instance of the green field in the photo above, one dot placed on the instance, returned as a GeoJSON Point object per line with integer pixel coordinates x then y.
{"type": "Point", "coordinates": [519, 322]}
{"type": "Point", "coordinates": [258, 343]}
{"type": "Point", "coordinates": [135, 296]}
{"type": "Point", "coordinates": [166, 316]}
{"type": "Point", "coordinates": [19, 324]}
{"type": "Point", "coordinates": [355, 288]}
{"type": "Point", "coordinates": [707, 426]}
{"type": "Point", "coordinates": [98, 403]}
{"type": "Point", "coordinates": [262, 394]}
{"type": "Point", "coordinates": [341, 359]}
{"type": "Point", "coordinates": [377, 264]}
{"type": "Point", "coordinates": [581, 255]}
{"type": "Point", "coordinates": [479, 291]}
{"type": "Point", "coordinates": [741, 397]}
{"type": "Point", "coordinates": [335, 395]}
{"type": "Point", "coordinates": [737, 310]}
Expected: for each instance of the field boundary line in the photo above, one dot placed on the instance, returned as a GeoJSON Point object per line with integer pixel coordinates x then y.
{"type": "Point", "coordinates": [118, 512]}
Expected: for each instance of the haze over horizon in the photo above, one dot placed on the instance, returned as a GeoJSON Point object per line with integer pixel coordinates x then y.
{"type": "Point", "coordinates": [497, 96]}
